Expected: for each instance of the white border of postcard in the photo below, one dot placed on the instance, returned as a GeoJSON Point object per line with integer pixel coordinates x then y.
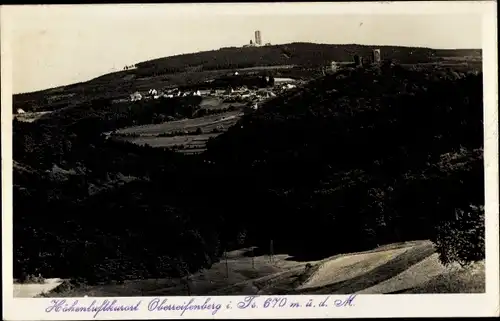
{"type": "Point", "coordinates": [400, 305]}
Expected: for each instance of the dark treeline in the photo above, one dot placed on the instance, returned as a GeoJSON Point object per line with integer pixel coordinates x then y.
{"type": "Point", "coordinates": [364, 157]}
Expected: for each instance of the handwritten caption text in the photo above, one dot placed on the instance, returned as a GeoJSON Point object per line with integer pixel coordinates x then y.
{"type": "Point", "coordinates": [208, 304]}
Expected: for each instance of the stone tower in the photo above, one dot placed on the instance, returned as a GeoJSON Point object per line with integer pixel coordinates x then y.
{"type": "Point", "coordinates": [258, 39]}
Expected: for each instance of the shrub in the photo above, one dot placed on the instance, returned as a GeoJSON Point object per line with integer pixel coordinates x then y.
{"type": "Point", "coordinates": [462, 240]}
{"type": "Point", "coordinates": [32, 279]}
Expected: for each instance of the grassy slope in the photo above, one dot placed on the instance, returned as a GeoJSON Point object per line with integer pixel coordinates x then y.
{"type": "Point", "coordinates": [410, 267]}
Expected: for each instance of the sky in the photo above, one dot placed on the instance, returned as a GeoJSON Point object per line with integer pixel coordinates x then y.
{"type": "Point", "coordinates": [59, 45]}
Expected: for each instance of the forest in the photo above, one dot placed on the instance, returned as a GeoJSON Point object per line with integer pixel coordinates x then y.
{"type": "Point", "coordinates": [356, 159]}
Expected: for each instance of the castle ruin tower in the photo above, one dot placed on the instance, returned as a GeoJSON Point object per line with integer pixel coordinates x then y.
{"type": "Point", "coordinates": [376, 56]}
{"type": "Point", "coordinates": [258, 39]}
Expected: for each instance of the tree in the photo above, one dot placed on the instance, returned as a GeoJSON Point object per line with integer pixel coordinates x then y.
{"type": "Point", "coordinates": [263, 81]}
{"type": "Point", "coordinates": [461, 239]}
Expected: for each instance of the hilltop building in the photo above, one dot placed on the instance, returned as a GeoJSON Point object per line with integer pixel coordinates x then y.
{"type": "Point", "coordinates": [258, 38]}
{"type": "Point", "coordinates": [251, 44]}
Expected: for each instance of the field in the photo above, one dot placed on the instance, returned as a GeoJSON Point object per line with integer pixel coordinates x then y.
{"type": "Point", "coordinates": [30, 117]}
{"type": "Point", "coordinates": [216, 103]}
{"type": "Point", "coordinates": [207, 122]}
{"type": "Point", "coordinates": [460, 64]}
{"type": "Point", "coordinates": [190, 143]}
{"type": "Point", "coordinates": [411, 267]}
{"type": "Point", "coordinates": [187, 143]}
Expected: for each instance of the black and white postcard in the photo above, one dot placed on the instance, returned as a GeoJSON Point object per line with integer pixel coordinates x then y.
{"type": "Point", "coordinates": [272, 160]}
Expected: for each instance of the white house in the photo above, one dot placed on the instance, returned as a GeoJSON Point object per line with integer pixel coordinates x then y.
{"type": "Point", "coordinates": [289, 86]}
{"type": "Point", "coordinates": [20, 111]}
{"type": "Point", "coordinates": [153, 92]}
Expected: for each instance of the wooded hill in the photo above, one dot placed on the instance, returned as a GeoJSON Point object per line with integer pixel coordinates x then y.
{"type": "Point", "coordinates": [300, 53]}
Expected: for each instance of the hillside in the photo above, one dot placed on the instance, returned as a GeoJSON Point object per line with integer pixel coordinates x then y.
{"type": "Point", "coordinates": [302, 54]}
{"type": "Point", "coordinates": [410, 267]}
{"type": "Point", "coordinates": [388, 152]}
{"type": "Point", "coordinates": [361, 158]}
{"type": "Point", "coordinates": [193, 68]}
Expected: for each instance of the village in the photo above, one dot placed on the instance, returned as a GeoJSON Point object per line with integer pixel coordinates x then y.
{"type": "Point", "coordinates": [251, 96]}
{"type": "Point", "coordinates": [190, 135]}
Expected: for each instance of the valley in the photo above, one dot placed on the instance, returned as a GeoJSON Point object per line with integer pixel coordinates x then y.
{"type": "Point", "coordinates": [249, 150]}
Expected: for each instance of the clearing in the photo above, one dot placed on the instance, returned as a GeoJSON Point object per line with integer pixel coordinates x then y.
{"type": "Point", "coordinates": [188, 143]}
{"type": "Point", "coordinates": [178, 125]}
{"type": "Point", "coordinates": [30, 117]}
{"type": "Point", "coordinates": [410, 267]}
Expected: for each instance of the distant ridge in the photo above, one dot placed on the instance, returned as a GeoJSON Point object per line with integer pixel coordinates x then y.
{"type": "Point", "coordinates": [297, 53]}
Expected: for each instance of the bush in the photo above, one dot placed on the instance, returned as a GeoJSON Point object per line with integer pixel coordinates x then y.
{"type": "Point", "coordinates": [31, 279]}
{"type": "Point", "coordinates": [462, 240]}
